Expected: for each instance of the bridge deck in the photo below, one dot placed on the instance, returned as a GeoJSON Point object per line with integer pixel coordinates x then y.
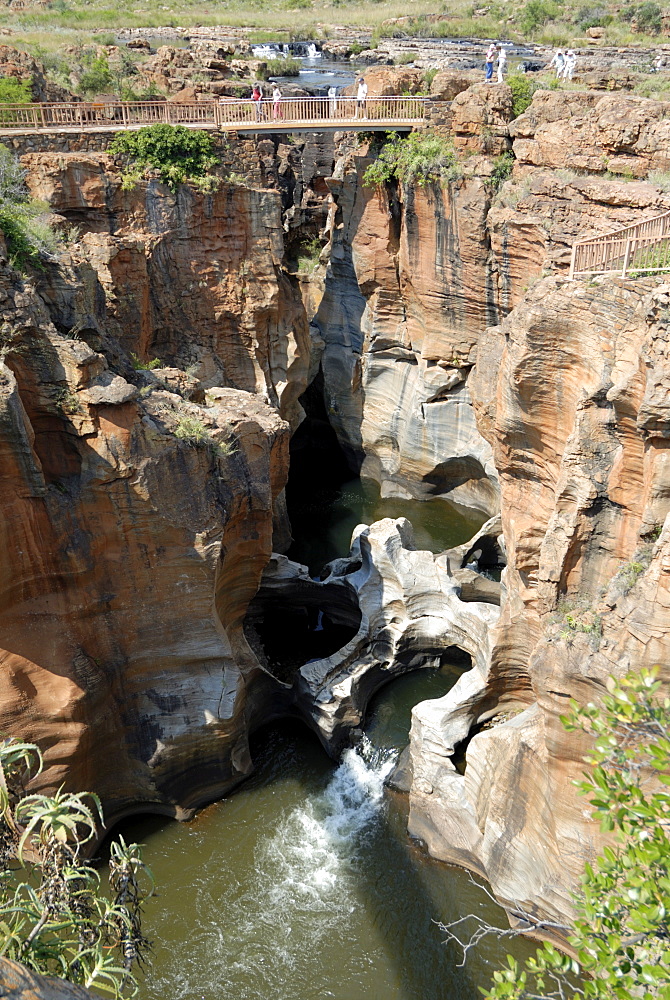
{"type": "Point", "coordinates": [340, 125]}
{"type": "Point", "coordinates": [315, 114]}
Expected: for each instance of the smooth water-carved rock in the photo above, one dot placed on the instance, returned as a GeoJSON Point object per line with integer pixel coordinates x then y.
{"type": "Point", "coordinates": [411, 617]}
{"type": "Point", "coordinates": [579, 429]}
{"type": "Point", "coordinates": [135, 527]}
{"type": "Point", "coordinates": [404, 302]}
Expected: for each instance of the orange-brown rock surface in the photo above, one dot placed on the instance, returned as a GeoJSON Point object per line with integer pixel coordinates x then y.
{"type": "Point", "coordinates": [195, 280]}
{"type": "Point", "coordinates": [130, 553]}
{"type": "Point", "coordinates": [578, 423]}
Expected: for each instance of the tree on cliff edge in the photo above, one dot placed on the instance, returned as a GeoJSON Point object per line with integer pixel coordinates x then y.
{"type": "Point", "coordinates": [622, 932]}
{"type": "Point", "coordinates": [54, 917]}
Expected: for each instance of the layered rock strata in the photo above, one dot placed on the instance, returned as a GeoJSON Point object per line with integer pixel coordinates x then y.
{"type": "Point", "coordinates": [578, 424]}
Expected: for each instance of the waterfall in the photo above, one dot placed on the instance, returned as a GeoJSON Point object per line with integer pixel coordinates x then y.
{"type": "Point", "coordinates": [312, 51]}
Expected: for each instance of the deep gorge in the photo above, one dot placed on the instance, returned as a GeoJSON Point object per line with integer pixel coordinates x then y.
{"type": "Point", "coordinates": [437, 352]}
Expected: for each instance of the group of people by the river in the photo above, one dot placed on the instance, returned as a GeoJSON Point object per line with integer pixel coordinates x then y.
{"type": "Point", "coordinates": [564, 62]}
{"type": "Point", "coordinates": [261, 103]}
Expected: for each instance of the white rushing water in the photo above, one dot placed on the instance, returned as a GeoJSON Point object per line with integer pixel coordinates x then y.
{"type": "Point", "coordinates": [303, 888]}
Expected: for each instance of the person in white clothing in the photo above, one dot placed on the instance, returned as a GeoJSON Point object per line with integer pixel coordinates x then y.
{"type": "Point", "coordinates": [559, 62]}
{"type": "Point", "coordinates": [276, 103]}
{"type": "Point", "coordinates": [332, 101]}
{"type": "Point", "coordinates": [361, 96]}
{"type": "Point", "coordinates": [502, 63]}
{"type": "Point", "coordinates": [570, 63]}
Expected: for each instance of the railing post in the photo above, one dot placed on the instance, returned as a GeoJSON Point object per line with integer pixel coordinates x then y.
{"type": "Point", "coordinates": [167, 112]}
{"type": "Point", "coordinates": [626, 258]}
{"type": "Point", "coordinates": [572, 262]}
{"type": "Point", "coordinates": [124, 115]}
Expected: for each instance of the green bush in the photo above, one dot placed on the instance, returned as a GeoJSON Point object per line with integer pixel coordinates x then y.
{"type": "Point", "coordinates": [179, 154]}
{"type": "Point", "coordinates": [97, 78]}
{"type": "Point", "coordinates": [421, 158]}
{"type": "Point", "coordinates": [535, 14]}
{"type": "Point", "coordinates": [23, 222]}
{"type": "Point", "coordinates": [502, 168]}
{"type": "Point", "coordinates": [647, 15]}
{"type": "Point", "coordinates": [522, 92]}
{"type": "Point", "coordinates": [14, 91]}
{"type": "Point", "coordinates": [55, 917]}
{"type": "Point", "coordinates": [622, 926]}
{"type": "Point", "coordinates": [308, 255]}
{"type": "Point", "coordinates": [592, 17]}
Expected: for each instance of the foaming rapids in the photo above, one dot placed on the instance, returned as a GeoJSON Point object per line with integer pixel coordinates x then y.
{"type": "Point", "coordinates": [304, 888]}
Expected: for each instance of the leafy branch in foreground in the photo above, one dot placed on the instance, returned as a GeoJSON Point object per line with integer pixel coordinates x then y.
{"type": "Point", "coordinates": [179, 155]}
{"type": "Point", "coordinates": [420, 158]}
{"type": "Point", "coordinates": [54, 917]}
{"type": "Point", "coordinates": [621, 936]}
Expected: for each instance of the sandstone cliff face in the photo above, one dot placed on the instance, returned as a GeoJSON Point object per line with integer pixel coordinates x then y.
{"type": "Point", "coordinates": [405, 300]}
{"type": "Point", "coordinates": [195, 280]}
{"type": "Point", "coordinates": [129, 558]}
{"type": "Point", "coordinates": [578, 424]}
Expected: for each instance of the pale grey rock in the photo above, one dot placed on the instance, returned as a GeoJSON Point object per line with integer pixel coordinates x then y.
{"type": "Point", "coordinates": [108, 389]}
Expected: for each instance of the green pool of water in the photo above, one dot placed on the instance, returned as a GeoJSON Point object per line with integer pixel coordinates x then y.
{"type": "Point", "coordinates": [324, 518]}
{"type": "Point", "coordinates": [304, 884]}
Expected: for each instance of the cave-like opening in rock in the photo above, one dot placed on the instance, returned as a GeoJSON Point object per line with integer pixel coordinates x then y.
{"type": "Point", "coordinates": [299, 621]}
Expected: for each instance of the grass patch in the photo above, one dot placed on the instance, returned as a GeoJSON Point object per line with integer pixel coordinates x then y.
{"type": "Point", "coordinates": [193, 432]}
{"type": "Point", "coordinates": [630, 572]}
{"type": "Point", "coordinates": [421, 158]}
{"type": "Point", "coordinates": [308, 255]}
{"type": "Point", "coordinates": [283, 67]}
{"type": "Point", "coordinates": [144, 366]}
{"type": "Point", "coordinates": [576, 615]}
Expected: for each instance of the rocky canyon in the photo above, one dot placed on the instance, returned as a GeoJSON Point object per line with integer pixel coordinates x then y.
{"type": "Point", "coordinates": [143, 513]}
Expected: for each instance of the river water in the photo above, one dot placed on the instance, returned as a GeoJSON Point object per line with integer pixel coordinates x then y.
{"type": "Point", "coordinates": [304, 884]}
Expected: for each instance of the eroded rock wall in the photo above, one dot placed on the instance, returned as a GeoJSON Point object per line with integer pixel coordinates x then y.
{"type": "Point", "coordinates": [578, 425]}
{"type": "Point", "coordinates": [406, 298]}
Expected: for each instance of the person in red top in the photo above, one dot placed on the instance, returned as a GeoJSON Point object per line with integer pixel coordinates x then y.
{"type": "Point", "coordinates": [257, 98]}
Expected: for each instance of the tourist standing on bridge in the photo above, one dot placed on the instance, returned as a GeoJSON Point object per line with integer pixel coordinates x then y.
{"type": "Point", "coordinates": [361, 96]}
{"type": "Point", "coordinates": [257, 98]}
{"type": "Point", "coordinates": [502, 63]}
{"type": "Point", "coordinates": [332, 101]}
{"type": "Point", "coordinates": [490, 59]}
{"type": "Point", "coordinates": [276, 103]}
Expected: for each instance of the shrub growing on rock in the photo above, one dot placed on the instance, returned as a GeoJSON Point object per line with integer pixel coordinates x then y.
{"type": "Point", "coordinates": [421, 158]}
{"type": "Point", "coordinates": [177, 153]}
{"type": "Point", "coordinates": [14, 91]}
{"type": "Point", "coordinates": [23, 220]}
{"type": "Point", "coordinates": [621, 935]}
{"type": "Point", "coordinates": [522, 92]}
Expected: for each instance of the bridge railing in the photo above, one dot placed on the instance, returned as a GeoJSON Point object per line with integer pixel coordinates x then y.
{"type": "Point", "coordinates": [644, 246]}
{"type": "Point", "coordinates": [212, 114]}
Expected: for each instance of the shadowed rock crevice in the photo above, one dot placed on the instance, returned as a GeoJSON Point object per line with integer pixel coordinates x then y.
{"type": "Point", "coordinates": [300, 622]}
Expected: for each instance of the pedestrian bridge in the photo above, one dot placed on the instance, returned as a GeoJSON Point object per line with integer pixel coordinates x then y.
{"type": "Point", "coordinates": [293, 114]}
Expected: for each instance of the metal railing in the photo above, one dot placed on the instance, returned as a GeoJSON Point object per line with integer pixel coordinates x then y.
{"type": "Point", "coordinates": [644, 246]}
{"type": "Point", "coordinates": [211, 114]}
